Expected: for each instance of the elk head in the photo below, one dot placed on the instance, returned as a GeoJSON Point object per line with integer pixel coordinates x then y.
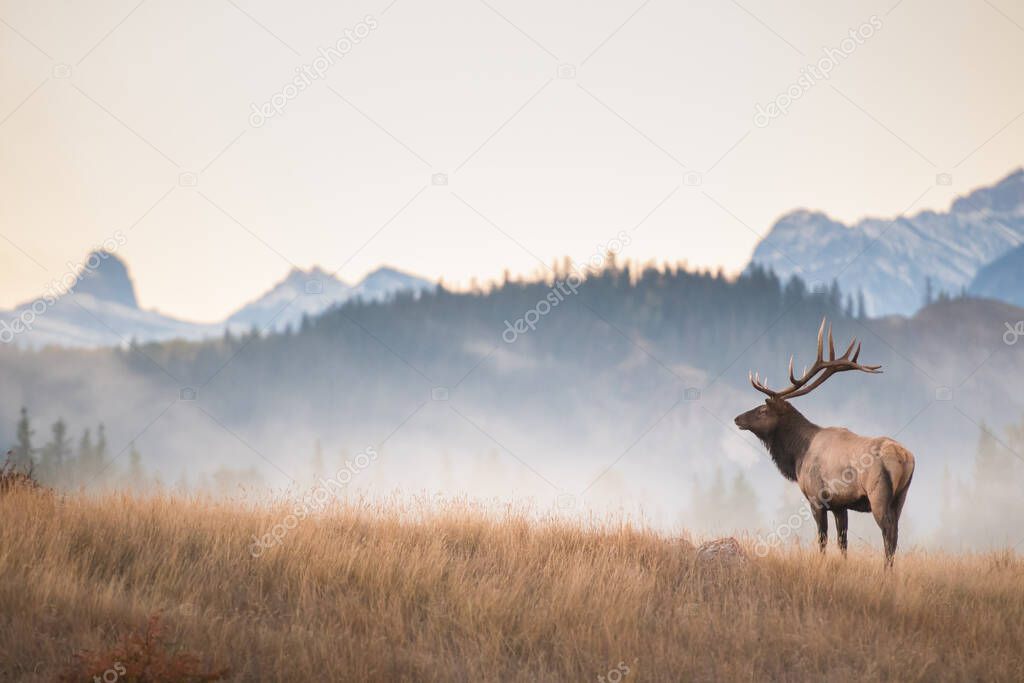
{"type": "Point", "coordinates": [764, 420]}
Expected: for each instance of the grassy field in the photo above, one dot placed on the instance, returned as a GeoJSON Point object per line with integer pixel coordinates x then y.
{"type": "Point", "coordinates": [393, 593]}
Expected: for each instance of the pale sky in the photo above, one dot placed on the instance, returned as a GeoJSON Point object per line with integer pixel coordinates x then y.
{"type": "Point", "coordinates": [104, 105]}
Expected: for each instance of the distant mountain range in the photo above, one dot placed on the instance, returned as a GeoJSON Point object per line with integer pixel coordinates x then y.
{"type": "Point", "coordinates": [102, 309]}
{"type": "Point", "coordinates": [891, 261]}
{"type": "Point", "coordinates": [977, 246]}
{"type": "Point", "coordinates": [311, 292]}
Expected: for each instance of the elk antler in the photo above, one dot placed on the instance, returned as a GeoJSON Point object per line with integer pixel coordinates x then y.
{"type": "Point", "coordinates": [799, 385]}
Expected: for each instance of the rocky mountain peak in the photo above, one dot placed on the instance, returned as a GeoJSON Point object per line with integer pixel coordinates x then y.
{"type": "Point", "coordinates": [104, 276]}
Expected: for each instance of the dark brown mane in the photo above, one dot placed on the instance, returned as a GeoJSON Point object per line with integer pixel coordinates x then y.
{"type": "Point", "coordinates": [788, 443]}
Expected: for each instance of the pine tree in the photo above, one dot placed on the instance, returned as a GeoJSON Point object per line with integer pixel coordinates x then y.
{"type": "Point", "coordinates": [53, 462]}
{"type": "Point", "coordinates": [862, 309]}
{"type": "Point", "coordinates": [835, 296]}
{"type": "Point", "coordinates": [99, 454]}
{"type": "Point", "coordinates": [85, 455]}
{"type": "Point", "coordinates": [136, 475]}
{"type": "Point", "coordinates": [23, 451]}
{"type": "Point", "coordinates": [996, 483]}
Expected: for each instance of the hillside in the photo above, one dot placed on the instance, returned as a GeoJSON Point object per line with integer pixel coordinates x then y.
{"type": "Point", "coordinates": [449, 593]}
{"type": "Point", "coordinates": [622, 395]}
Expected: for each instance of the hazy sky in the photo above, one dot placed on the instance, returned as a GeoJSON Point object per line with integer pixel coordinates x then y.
{"type": "Point", "coordinates": [104, 105]}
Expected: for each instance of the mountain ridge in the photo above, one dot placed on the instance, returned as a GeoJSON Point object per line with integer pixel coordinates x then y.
{"type": "Point", "coordinates": [891, 261]}
{"type": "Point", "coordinates": [101, 308]}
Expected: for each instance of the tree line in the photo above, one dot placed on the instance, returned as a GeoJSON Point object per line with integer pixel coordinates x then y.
{"type": "Point", "coordinates": [59, 462]}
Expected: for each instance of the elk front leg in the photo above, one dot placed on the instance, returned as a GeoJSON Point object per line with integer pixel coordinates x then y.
{"type": "Point", "coordinates": [821, 519]}
{"type": "Point", "coordinates": [842, 523]}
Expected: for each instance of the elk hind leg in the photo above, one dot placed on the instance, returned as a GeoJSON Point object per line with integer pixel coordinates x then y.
{"type": "Point", "coordinates": [883, 507]}
{"type": "Point", "coordinates": [891, 531]}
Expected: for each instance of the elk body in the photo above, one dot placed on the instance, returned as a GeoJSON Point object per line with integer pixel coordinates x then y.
{"type": "Point", "coordinates": [835, 469]}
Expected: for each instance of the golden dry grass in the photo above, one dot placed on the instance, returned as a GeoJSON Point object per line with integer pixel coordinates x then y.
{"type": "Point", "coordinates": [372, 593]}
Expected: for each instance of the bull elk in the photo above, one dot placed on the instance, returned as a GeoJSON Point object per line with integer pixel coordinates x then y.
{"type": "Point", "coordinates": [835, 469]}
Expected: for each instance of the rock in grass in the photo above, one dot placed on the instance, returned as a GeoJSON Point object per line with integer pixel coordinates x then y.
{"type": "Point", "coordinates": [722, 551]}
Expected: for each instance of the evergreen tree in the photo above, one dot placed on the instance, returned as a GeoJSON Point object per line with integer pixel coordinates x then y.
{"type": "Point", "coordinates": [794, 292]}
{"type": "Point", "coordinates": [136, 476]}
{"type": "Point", "coordinates": [848, 309]}
{"type": "Point", "coordinates": [23, 451]}
{"type": "Point", "coordinates": [55, 454]}
{"type": "Point", "coordinates": [862, 309]}
{"type": "Point", "coordinates": [85, 454]}
{"type": "Point", "coordinates": [835, 296]}
{"type": "Point", "coordinates": [997, 483]}
{"type": "Point", "coordinates": [97, 456]}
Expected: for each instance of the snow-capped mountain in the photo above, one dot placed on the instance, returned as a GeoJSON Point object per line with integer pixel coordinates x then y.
{"type": "Point", "coordinates": [100, 308]}
{"type": "Point", "coordinates": [302, 292]}
{"type": "Point", "coordinates": [384, 283]}
{"type": "Point", "coordinates": [311, 292]}
{"type": "Point", "coordinates": [890, 261]}
{"type": "Point", "coordinates": [1002, 279]}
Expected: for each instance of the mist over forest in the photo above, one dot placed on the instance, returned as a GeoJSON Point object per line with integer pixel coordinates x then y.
{"type": "Point", "coordinates": [615, 395]}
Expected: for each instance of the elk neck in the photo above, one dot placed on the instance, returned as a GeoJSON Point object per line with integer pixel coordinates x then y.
{"type": "Point", "coordinates": [789, 442]}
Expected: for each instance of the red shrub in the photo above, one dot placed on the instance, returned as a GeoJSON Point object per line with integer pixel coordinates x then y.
{"type": "Point", "coordinates": [141, 657]}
